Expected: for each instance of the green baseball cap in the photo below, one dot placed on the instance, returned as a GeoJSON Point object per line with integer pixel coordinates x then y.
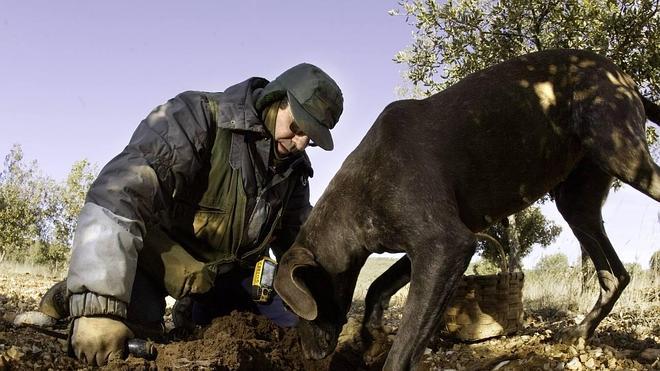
{"type": "Point", "coordinates": [314, 97]}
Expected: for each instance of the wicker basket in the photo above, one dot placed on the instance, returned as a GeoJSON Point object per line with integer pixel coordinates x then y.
{"type": "Point", "coordinates": [485, 306]}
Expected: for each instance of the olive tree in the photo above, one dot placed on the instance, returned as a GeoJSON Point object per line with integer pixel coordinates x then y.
{"type": "Point", "coordinates": [37, 214]}
{"type": "Point", "coordinates": [554, 263]}
{"type": "Point", "coordinates": [64, 207]}
{"type": "Point", "coordinates": [530, 227]}
{"type": "Point", "coordinates": [23, 191]}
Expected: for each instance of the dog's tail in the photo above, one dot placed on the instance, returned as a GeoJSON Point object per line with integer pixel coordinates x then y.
{"type": "Point", "coordinates": [652, 110]}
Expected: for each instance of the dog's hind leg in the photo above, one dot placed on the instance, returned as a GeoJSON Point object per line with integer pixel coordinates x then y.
{"type": "Point", "coordinates": [378, 298]}
{"type": "Point", "coordinates": [579, 199]}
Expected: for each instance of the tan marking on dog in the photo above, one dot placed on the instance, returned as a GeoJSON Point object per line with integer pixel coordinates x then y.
{"type": "Point", "coordinates": [586, 63]}
{"type": "Point", "coordinates": [626, 92]}
{"type": "Point", "coordinates": [582, 95]}
{"type": "Point", "coordinates": [621, 80]}
{"type": "Point", "coordinates": [546, 95]}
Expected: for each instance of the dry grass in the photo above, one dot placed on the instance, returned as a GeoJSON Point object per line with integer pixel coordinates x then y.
{"type": "Point", "coordinates": [371, 270]}
{"type": "Point", "coordinates": [562, 291]}
{"type": "Point", "coordinates": [544, 290]}
{"type": "Point", "coordinates": [9, 267]}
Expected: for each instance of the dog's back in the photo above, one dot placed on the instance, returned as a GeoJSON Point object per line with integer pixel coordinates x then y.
{"type": "Point", "coordinates": [503, 137]}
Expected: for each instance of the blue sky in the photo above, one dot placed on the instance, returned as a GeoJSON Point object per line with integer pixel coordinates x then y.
{"type": "Point", "coordinates": [76, 77]}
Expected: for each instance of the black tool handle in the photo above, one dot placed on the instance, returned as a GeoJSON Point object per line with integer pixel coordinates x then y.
{"type": "Point", "coordinates": [142, 348]}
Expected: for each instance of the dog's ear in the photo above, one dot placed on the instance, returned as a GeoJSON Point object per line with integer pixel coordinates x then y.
{"type": "Point", "coordinates": [289, 283]}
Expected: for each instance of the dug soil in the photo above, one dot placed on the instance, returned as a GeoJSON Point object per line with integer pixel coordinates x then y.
{"type": "Point", "coordinates": [243, 341]}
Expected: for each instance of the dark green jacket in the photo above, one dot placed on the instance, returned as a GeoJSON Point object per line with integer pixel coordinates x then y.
{"type": "Point", "coordinates": [192, 195]}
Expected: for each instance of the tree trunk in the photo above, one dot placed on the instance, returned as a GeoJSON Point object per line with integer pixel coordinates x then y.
{"type": "Point", "coordinates": [514, 243]}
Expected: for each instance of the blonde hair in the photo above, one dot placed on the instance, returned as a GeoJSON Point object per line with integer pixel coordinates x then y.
{"type": "Point", "coordinates": [270, 114]}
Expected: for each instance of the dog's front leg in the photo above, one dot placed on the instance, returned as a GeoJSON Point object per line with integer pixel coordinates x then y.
{"type": "Point", "coordinates": [377, 300]}
{"type": "Point", "coordinates": [437, 262]}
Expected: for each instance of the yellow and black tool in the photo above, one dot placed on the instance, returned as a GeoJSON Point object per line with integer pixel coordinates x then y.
{"type": "Point", "coordinates": [262, 280]}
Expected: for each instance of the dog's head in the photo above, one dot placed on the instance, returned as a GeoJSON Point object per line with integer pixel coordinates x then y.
{"type": "Point", "coordinates": [311, 293]}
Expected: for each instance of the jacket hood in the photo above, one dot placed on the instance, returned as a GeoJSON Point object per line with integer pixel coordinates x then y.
{"type": "Point", "coordinates": [236, 106]}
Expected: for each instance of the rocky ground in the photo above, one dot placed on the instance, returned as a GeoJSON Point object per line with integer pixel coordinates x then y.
{"type": "Point", "coordinates": [626, 340]}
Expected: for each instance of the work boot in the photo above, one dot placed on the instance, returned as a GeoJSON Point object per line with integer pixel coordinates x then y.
{"type": "Point", "coordinates": [55, 302]}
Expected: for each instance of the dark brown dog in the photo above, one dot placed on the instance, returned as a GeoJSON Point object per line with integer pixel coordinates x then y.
{"type": "Point", "coordinates": [430, 173]}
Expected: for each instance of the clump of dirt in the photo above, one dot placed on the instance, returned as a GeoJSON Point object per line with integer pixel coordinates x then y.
{"type": "Point", "coordinates": [245, 341]}
{"type": "Point", "coordinates": [240, 341]}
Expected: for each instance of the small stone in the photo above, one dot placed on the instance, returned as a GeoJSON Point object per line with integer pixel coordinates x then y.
{"type": "Point", "coordinates": [427, 351]}
{"type": "Point", "coordinates": [14, 353]}
{"type": "Point", "coordinates": [611, 363]}
{"type": "Point", "coordinates": [590, 364]}
{"type": "Point", "coordinates": [574, 364]}
{"type": "Point", "coordinates": [580, 344]}
{"type": "Point", "coordinates": [500, 365]}
{"type": "Point", "coordinates": [584, 357]}
{"type": "Point", "coordinates": [34, 318]}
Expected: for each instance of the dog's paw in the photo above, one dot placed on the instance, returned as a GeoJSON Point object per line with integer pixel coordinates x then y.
{"type": "Point", "coordinates": [370, 335]}
{"type": "Point", "coordinates": [573, 336]}
{"type": "Point", "coordinates": [376, 351]}
{"type": "Point", "coordinates": [375, 343]}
